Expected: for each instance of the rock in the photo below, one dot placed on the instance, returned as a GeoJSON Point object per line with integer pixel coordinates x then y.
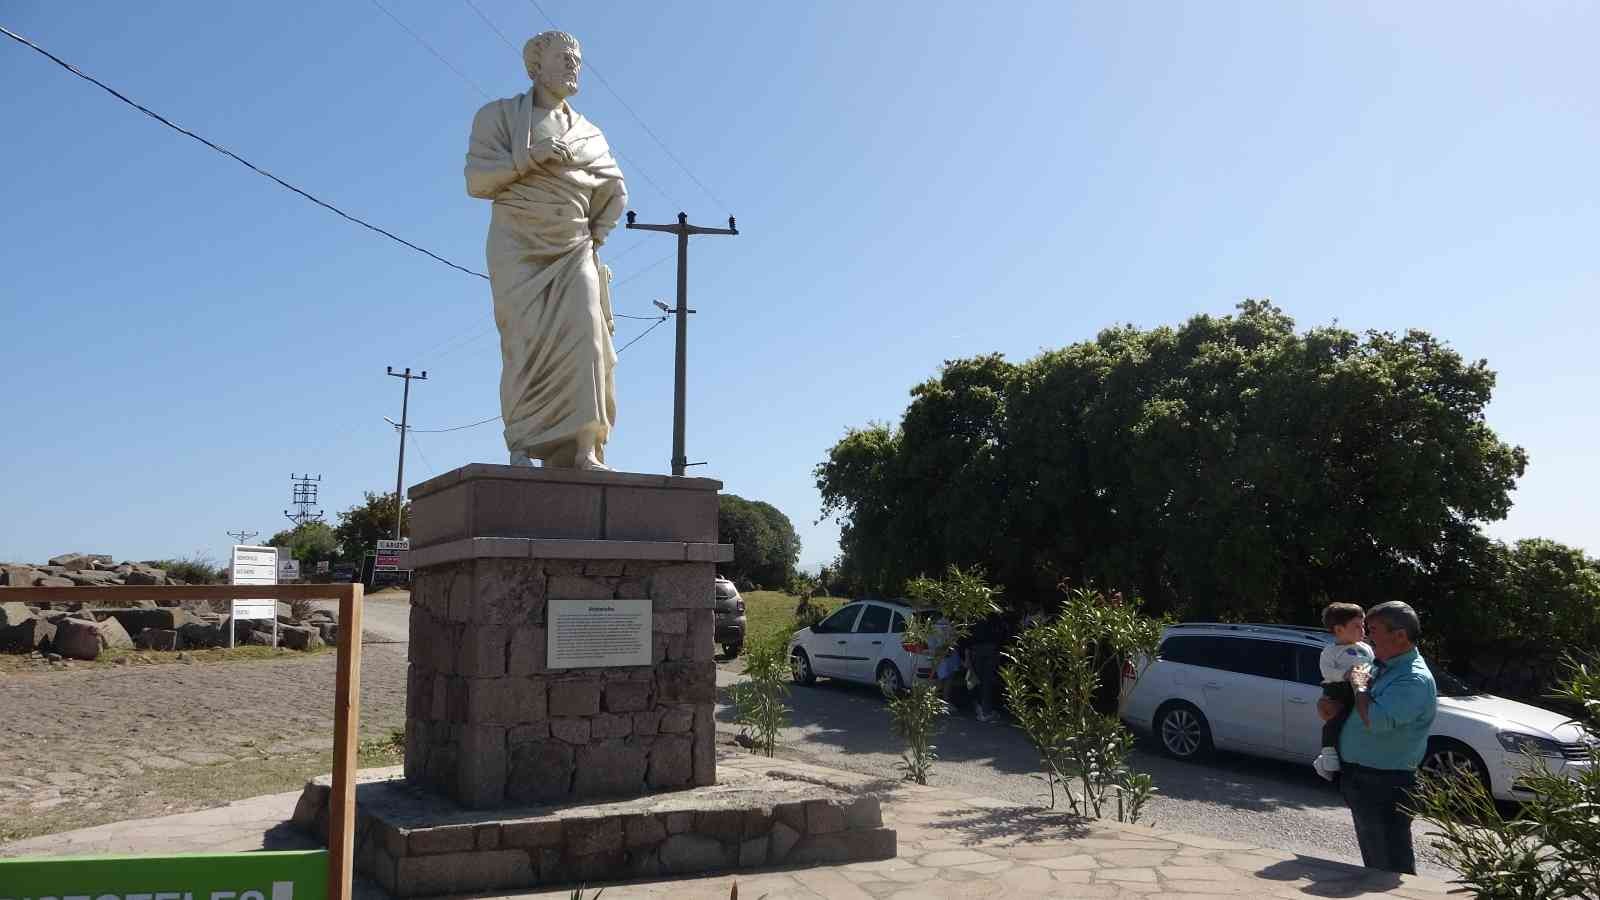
{"type": "Point", "coordinates": [73, 561]}
{"type": "Point", "coordinates": [329, 632]}
{"type": "Point", "coordinates": [27, 636]}
{"type": "Point", "coordinates": [158, 639]}
{"type": "Point", "coordinates": [145, 575]}
{"type": "Point", "coordinates": [92, 578]}
{"type": "Point", "coordinates": [137, 620]}
{"type": "Point", "coordinates": [19, 576]}
{"type": "Point", "coordinates": [13, 614]}
{"type": "Point", "coordinates": [299, 637]}
{"type": "Point", "coordinates": [113, 636]}
{"type": "Point", "coordinates": [258, 638]}
{"type": "Point", "coordinates": [77, 638]}
{"type": "Point", "coordinates": [54, 581]}
{"type": "Point", "coordinates": [204, 634]}
{"type": "Point", "coordinates": [683, 854]}
{"type": "Point", "coordinates": [783, 840]}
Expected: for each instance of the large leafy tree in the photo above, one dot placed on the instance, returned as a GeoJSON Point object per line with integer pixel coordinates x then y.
{"type": "Point", "coordinates": [765, 545]}
{"type": "Point", "coordinates": [363, 525]}
{"type": "Point", "coordinates": [1228, 466]}
{"type": "Point", "coordinates": [309, 542]}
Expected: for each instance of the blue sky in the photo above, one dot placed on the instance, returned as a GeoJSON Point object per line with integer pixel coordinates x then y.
{"type": "Point", "coordinates": [913, 182]}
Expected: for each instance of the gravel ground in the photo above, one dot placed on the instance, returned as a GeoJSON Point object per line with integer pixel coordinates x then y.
{"type": "Point", "coordinates": [93, 745]}
{"type": "Point", "coordinates": [1261, 802]}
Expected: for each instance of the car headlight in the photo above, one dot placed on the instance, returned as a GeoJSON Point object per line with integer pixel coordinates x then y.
{"type": "Point", "coordinates": [1517, 742]}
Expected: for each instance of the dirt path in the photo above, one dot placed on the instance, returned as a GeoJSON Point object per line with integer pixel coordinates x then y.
{"type": "Point", "coordinates": [91, 746]}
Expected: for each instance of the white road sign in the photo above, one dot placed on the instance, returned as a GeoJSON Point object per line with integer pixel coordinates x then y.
{"type": "Point", "coordinates": [254, 565]}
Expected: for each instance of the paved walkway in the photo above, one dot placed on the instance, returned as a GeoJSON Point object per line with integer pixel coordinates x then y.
{"type": "Point", "coordinates": [951, 845]}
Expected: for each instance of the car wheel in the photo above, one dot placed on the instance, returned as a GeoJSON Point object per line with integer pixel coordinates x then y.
{"type": "Point", "coordinates": [1182, 732]}
{"type": "Point", "coordinates": [889, 681]}
{"type": "Point", "coordinates": [1445, 756]}
{"type": "Point", "coordinates": [800, 668]}
{"type": "Point", "coordinates": [732, 650]}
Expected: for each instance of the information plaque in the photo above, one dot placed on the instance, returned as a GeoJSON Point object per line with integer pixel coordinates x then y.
{"type": "Point", "coordinates": [596, 633]}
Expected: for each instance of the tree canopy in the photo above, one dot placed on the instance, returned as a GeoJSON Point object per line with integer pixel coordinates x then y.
{"type": "Point", "coordinates": [765, 546]}
{"type": "Point", "coordinates": [309, 542]}
{"type": "Point", "coordinates": [1230, 466]}
{"type": "Point", "coordinates": [363, 525]}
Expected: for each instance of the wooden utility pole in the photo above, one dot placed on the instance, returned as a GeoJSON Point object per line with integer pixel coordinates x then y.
{"type": "Point", "coordinates": [400, 467]}
{"type": "Point", "coordinates": [683, 229]}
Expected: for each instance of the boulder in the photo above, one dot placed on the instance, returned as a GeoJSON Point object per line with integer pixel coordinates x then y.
{"type": "Point", "coordinates": [145, 575]}
{"type": "Point", "coordinates": [27, 636]}
{"type": "Point", "coordinates": [158, 639]}
{"type": "Point", "coordinates": [259, 638]}
{"type": "Point", "coordinates": [76, 638]}
{"type": "Point", "coordinates": [204, 634]}
{"type": "Point", "coordinates": [329, 632]}
{"type": "Point", "coordinates": [137, 620]}
{"type": "Point", "coordinates": [113, 636]}
{"type": "Point", "coordinates": [92, 578]}
{"type": "Point", "coordinates": [72, 561]}
{"type": "Point", "coordinates": [299, 637]}
{"type": "Point", "coordinates": [19, 576]}
{"type": "Point", "coordinates": [54, 581]}
{"type": "Point", "coordinates": [13, 614]}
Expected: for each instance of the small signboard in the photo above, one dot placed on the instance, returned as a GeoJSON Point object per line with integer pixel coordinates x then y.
{"type": "Point", "coordinates": [591, 633]}
{"type": "Point", "coordinates": [324, 566]}
{"type": "Point", "coordinates": [254, 565]}
{"type": "Point", "coordinates": [402, 544]}
{"type": "Point", "coordinates": [288, 568]}
{"type": "Point", "coordinates": [267, 875]}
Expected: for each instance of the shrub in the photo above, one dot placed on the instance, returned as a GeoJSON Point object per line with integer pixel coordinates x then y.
{"type": "Point", "coordinates": [1052, 682]}
{"type": "Point", "coordinates": [197, 568]}
{"type": "Point", "coordinates": [963, 598]}
{"type": "Point", "coordinates": [1551, 847]}
{"type": "Point", "coordinates": [759, 700]}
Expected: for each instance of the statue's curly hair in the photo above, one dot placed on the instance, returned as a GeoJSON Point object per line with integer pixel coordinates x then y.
{"type": "Point", "coordinates": [535, 48]}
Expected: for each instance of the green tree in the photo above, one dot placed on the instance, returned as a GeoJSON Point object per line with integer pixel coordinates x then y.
{"type": "Point", "coordinates": [1228, 466]}
{"type": "Point", "coordinates": [309, 543]}
{"type": "Point", "coordinates": [765, 545]}
{"type": "Point", "coordinates": [363, 525]}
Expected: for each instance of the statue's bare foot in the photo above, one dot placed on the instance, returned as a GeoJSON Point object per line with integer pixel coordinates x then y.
{"type": "Point", "coordinates": [519, 458]}
{"type": "Point", "coordinates": [589, 463]}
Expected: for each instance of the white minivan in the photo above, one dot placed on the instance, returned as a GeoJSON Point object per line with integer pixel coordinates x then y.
{"type": "Point", "coordinates": [1253, 689]}
{"type": "Point", "coordinates": [861, 641]}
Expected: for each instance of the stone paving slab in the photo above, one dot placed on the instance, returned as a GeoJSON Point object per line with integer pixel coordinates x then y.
{"type": "Point", "coordinates": [950, 845]}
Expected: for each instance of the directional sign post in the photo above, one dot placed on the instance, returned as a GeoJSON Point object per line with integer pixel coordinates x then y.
{"type": "Point", "coordinates": [254, 565]}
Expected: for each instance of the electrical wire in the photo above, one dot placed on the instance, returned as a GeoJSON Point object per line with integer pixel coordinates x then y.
{"type": "Point", "coordinates": [641, 335]}
{"type": "Point", "coordinates": [644, 270]}
{"type": "Point", "coordinates": [232, 155]}
{"type": "Point", "coordinates": [637, 118]}
{"type": "Point", "coordinates": [429, 47]}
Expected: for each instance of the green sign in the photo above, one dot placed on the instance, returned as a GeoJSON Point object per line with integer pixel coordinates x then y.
{"type": "Point", "coordinates": [280, 875]}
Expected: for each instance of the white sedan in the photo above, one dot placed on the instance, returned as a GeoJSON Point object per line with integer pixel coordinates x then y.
{"type": "Point", "coordinates": [1253, 689]}
{"type": "Point", "coordinates": [861, 641]}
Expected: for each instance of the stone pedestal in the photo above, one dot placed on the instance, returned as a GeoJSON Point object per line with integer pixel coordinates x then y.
{"type": "Point", "coordinates": [489, 722]}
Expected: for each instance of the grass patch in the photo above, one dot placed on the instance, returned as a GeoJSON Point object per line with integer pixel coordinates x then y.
{"type": "Point", "coordinates": [202, 657]}
{"type": "Point", "coordinates": [767, 611]}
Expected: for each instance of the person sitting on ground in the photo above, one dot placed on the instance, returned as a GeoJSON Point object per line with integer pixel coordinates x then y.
{"type": "Point", "coordinates": [1349, 649]}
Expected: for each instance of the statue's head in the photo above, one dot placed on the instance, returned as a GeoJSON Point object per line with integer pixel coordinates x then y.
{"type": "Point", "coordinates": [553, 60]}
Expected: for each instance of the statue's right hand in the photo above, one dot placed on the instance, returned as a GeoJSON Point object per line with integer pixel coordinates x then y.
{"type": "Point", "coordinates": [548, 150]}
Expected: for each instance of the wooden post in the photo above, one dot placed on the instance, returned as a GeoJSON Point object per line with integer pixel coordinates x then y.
{"type": "Point", "coordinates": [346, 722]}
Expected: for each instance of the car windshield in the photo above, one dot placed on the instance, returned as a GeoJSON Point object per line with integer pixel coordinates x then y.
{"type": "Point", "coordinates": [1451, 686]}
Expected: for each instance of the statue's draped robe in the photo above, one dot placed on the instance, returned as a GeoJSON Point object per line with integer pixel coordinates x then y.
{"type": "Point", "coordinates": [552, 299]}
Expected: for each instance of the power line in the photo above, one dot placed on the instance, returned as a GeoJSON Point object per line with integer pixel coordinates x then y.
{"type": "Point", "coordinates": [644, 270]}
{"type": "Point", "coordinates": [415, 430]}
{"type": "Point", "coordinates": [230, 154]}
{"type": "Point", "coordinates": [641, 335]}
{"type": "Point", "coordinates": [636, 117]}
{"type": "Point", "coordinates": [492, 27]}
{"type": "Point", "coordinates": [436, 54]}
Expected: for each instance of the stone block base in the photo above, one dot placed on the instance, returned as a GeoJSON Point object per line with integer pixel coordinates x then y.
{"type": "Point", "coordinates": [416, 844]}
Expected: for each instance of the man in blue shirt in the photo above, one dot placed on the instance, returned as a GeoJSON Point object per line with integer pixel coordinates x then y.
{"type": "Point", "coordinates": [1383, 744]}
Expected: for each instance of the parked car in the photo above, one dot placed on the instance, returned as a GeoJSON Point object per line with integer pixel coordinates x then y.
{"type": "Point", "coordinates": [1253, 689]}
{"type": "Point", "coordinates": [730, 617]}
{"type": "Point", "coordinates": [861, 641]}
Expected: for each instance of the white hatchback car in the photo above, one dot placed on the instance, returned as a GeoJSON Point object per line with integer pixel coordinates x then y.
{"type": "Point", "coordinates": [1253, 689]}
{"type": "Point", "coordinates": [861, 641]}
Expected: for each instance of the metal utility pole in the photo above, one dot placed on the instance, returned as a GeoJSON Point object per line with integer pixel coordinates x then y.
{"type": "Point", "coordinates": [241, 536]}
{"type": "Point", "coordinates": [683, 229]}
{"type": "Point", "coordinates": [305, 497]}
{"type": "Point", "coordinates": [400, 467]}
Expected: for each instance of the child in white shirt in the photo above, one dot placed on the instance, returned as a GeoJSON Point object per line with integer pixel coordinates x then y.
{"type": "Point", "coordinates": [1347, 621]}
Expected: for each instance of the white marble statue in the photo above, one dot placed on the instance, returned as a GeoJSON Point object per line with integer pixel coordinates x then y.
{"type": "Point", "coordinates": [557, 194]}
